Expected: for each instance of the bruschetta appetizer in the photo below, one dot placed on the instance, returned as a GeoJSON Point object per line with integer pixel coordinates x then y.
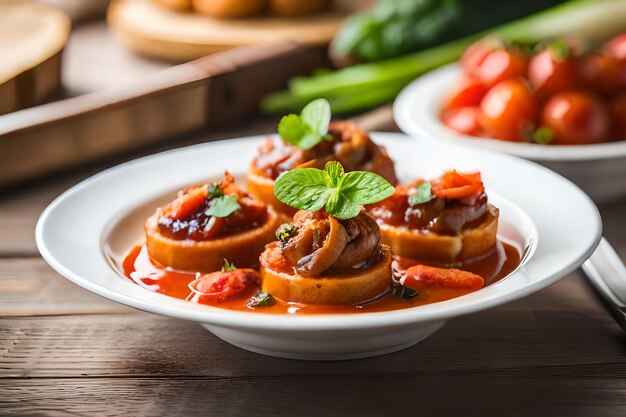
{"type": "Point", "coordinates": [310, 140]}
{"type": "Point", "coordinates": [207, 223]}
{"type": "Point", "coordinates": [447, 219]}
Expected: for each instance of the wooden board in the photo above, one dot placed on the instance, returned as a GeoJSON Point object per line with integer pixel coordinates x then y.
{"type": "Point", "coordinates": [147, 28]}
{"type": "Point", "coordinates": [205, 93]}
{"type": "Point", "coordinates": [32, 38]}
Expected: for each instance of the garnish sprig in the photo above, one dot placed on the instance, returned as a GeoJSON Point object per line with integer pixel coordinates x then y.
{"type": "Point", "coordinates": [221, 205]}
{"type": "Point", "coordinates": [421, 194]}
{"type": "Point", "coordinates": [228, 266]}
{"type": "Point", "coordinates": [309, 128]}
{"type": "Point", "coordinates": [261, 299]}
{"type": "Point", "coordinates": [343, 195]}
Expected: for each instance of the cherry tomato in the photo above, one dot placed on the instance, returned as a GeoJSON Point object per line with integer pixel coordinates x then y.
{"type": "Point", "coordinates": [509, 110]}
{"type": "Point", "coordinates": [616, 47]}
{"type": "Point", "coordinates": [453, 185]}
{"type": "Point", "coordinates": [553, 70]}
{"type": "Point", "coordinates": [222, 284]}
{"type": "Point", "coordinates": [618, 116]}
{"type": "Point", "coordinates": [576, 118]}
{"type": "Point", "coordinates": [463, 120]}
{"type": "Point", "coordinates": [468, 92]}
{"type": "Point", "coordinates": [602, 73]}
{"type": "Point", "coordinates": [491, 64]}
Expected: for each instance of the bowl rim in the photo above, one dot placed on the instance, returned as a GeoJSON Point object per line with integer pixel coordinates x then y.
{"type": "Point", "coordinates": [416, 111]}
{"type": "Point", "coordinates": [51, 246]}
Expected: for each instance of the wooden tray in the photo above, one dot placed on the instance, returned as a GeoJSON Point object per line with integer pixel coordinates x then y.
{"type": "Point", "coordinates": [212, 91]}
{"type": "Point", "coordinates": [152, 30]}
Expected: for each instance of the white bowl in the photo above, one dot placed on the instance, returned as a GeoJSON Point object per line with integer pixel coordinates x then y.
{"type": "Point", "coordinates": [600, 170]}
{"type": "Point", "coordinates": [85, 233]}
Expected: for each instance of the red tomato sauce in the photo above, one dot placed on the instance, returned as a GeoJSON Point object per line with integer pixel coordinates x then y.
{"type": "Point", "coordinates": [141, 269]}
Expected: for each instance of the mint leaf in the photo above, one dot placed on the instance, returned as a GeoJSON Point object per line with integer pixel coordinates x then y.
{"type": "Point", "coordinates": [309, 128]}
{"type": "Point", "coordinates": [421, 194]}
{"type": "Point", "coordinates": [335, 171]}
{"type": "Point", "coordinates": [303, 188]}
{"type": "Point", "coordinates": [341, 207]}
{"type": "Point", "coordinates": [365, 187]}
{"type": "Point", "coordinates": [228, 266]}
{"type": "Point", "coordinates": [342, 194]}
{"type": "Point", "coordinates": [317, 114]}
{"type": "Point", "coordinates": [223, 206]}
{"type": "Point", "coordinates": [292, 129]}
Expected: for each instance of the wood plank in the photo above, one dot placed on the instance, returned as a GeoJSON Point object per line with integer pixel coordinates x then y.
{"type": "Point", "coordinates": [29, 287]}
{"type": "Point", "coordinates": [516, 339]}
{"type": "Point", "coordinates": [324, 395]}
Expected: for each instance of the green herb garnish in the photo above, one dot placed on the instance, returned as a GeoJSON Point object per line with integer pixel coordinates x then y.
{"type": "Point", "coordinates": [261, 299]}
{"type": "Point", "coordinates": [421, 194]}
{"type": "Point", "coordinates": [223, 206]}
{"type": "Point", "coordinates": [343, 195]}
{"type": "Point", "coordinates": [214, 190]}
{"type": "Point", "coordinates": [309, 128]}
{"type": "Point", "coordinates": [543, 136]}
{"type": "Point", "coordinates": [285, 232]}
{"type": "Point", "coordinates": [403, 292]}
{"type": "Point", "coordinates": [228, 266]}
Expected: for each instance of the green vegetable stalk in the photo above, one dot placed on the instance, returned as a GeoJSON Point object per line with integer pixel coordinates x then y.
{"type": "Point", "coordinates": [393, 28]}
{"type": "Point", "coordinates": [369, 85]}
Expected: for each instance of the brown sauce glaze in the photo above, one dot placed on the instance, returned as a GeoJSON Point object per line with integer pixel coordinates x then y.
{"type": "Point", "coordinates": [493, 266]}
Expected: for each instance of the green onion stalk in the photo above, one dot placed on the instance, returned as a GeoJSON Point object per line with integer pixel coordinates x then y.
{"type": "Point", "coordinates": [369, 85]}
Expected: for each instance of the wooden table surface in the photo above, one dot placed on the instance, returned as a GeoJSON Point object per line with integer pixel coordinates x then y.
{"type": "Point", "coordinates": [65, 351]}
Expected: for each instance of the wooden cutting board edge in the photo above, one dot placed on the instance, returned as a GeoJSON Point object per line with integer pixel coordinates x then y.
{"type": "Point", "coordinates": [178, 49]}
{"type": "Point", "coordinates": [36, 83]}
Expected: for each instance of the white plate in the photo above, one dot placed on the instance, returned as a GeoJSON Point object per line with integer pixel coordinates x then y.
{"type": "Point", "coordinates": [600, 170]}
{"type": "Point", "coordinates": [85, 233]}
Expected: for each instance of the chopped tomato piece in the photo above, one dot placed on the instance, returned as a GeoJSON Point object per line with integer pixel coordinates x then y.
{"type": "Point", "coordinates": [188, 202]}
{"type": "Point", "coordinates": [463, 120]}
{"type": "Point", "coordinates": [469, 92]}
{"type": "Point", "coordinates": [423, 276]}
{"type": "Point", "coordinates": [274, 258]}
{"type": "Point", "coordinates": [221, 285]}
{"type": "Point", "coordinates": [454, 186]}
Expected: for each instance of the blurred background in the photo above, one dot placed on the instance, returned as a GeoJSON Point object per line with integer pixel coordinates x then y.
{"type": "Point", "coordinates": [100, 80]}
